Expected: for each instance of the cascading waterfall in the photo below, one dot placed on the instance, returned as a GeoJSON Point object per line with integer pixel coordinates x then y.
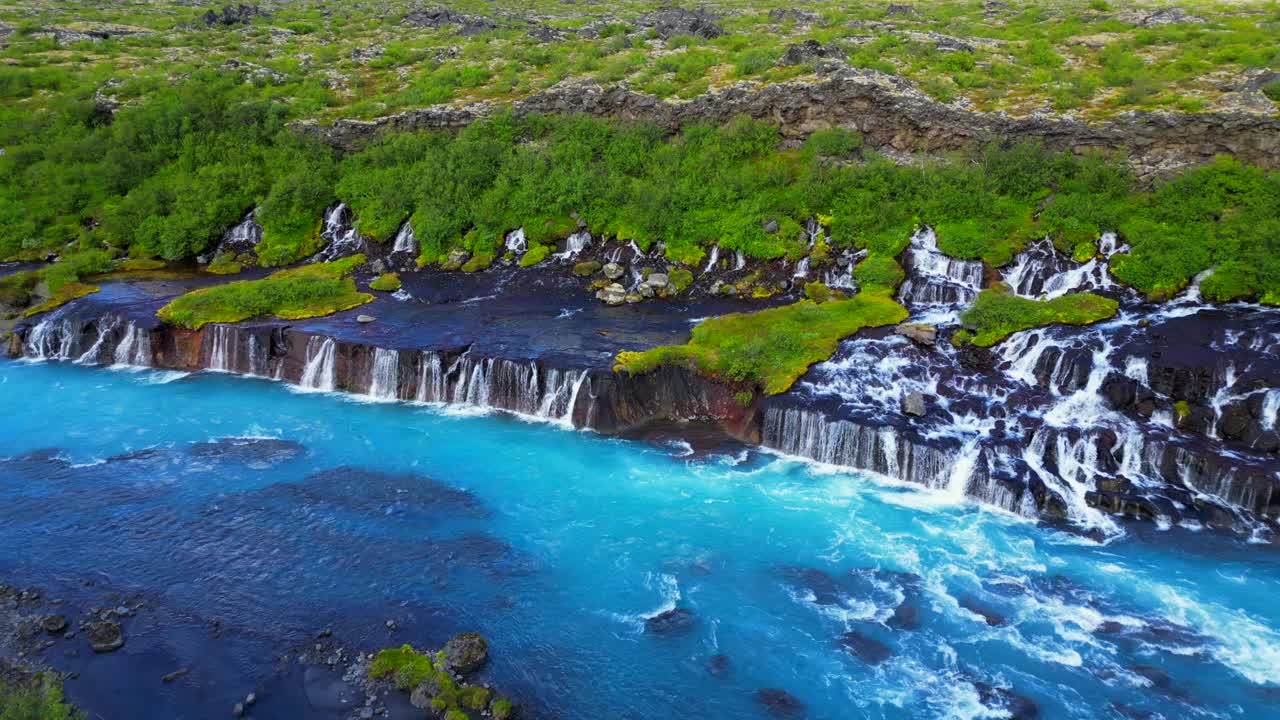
{"type": "Point", "coordinates": [384, 375]}
{"type": "Point", "coordinates": [340, 233]}
{"type": "Point", "coordinates": [243, 237]}
{"type": "Point", "coordinates": [100, 348]}
{"type": "Point", "coordinates": [1042, 272]}
{"type": "Point", "coordinates": [936, 279]}
{"type": "Point", "coordinates": [40, 341]}
{"type": "Point", "coordinates": [320, 370]}
{"type": "Point", "coordinates": [711, 261]}
{"type": "Point", "coordinates": [432, 383]}
{"type": "Point", "coordinates": [739, 261]}
{"type": "Point", "coordinates": [222, 348]}
{"type": "Point", "coordinates": [516, 242]}
{"type": "Point", "coordinates": [134, 348]}
{"type": "Point", "coordinates": [491, 383]}
{"type": "Point", "coordinates": [575, 244]}
{"type": "Point", "coordinates": [405, 240]}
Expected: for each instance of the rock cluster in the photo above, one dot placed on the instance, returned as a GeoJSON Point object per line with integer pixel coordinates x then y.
{"type": "Point", "coordinates": [232, 15]}
{"type": "Point", "coordinates": [894, 117]}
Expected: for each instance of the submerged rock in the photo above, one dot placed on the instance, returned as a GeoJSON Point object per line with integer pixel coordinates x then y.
{"type": "Point", "coordinates": [989, 616]}
{"type": "Point", "coordinates": [867, 649]}
{"type": "Point", "coordinates": [719, 665]}
{"type": "Point", "coordinates": [671, 622]}
{"type": "Point", "coordinates": [466, 653]}
{"type": "Point", "coordinates": [54, 624]}
{"type": "Point", "coordinates": [105, 636]}
{"type": "Point", "coordinates": [780, 703]}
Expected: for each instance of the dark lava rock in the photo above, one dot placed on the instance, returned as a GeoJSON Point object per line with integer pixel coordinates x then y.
{"type": "Point", "coordinates": [824, 587]}
{"type": "Point", "coordinates": [800, 16]}
{"type": "Point", "coordinates": [991, 617]}
{"type": "Point", "coordinates": [105, 636]}
{"type": "Point", "coordinates": [719, 665]}
{"type": "Point", "coordinates": [1017, 707]}
{"type": "Point", "coordinates": [900, 10]}
{"type": "Point", "coordinates": [868, 650]}
{"type": "Point", "coordinates": [671, 21]}
{"type": "Point", "coordinates": [232, 15]}
{"type": "Point", "coordinates": [1158, 677]}
{"type": "Point", "coordinates": [780, 703]}
{"type": "Point", "coordinates": [671, 622]}
{"type": "Point", "coordinates": [54, 624]}
{"type": "Point", "coordinates": [905, 617]}
{"type": "Point", "coordinates": [250, 451]}
{"type": "Point", "coordinates": [1235, 421]}
{"type": "Point", "coordinates": [466, 653]}
{"type": "Point", "coordinates": [807, 52]}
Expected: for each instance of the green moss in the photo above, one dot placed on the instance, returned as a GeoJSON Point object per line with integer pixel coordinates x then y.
{"type": "Point", "coordinates": [587, 269]}
{"type": "Point", "coordinates": [479, 261]}
{"type": "Point", "coordinates": [997, 313]}
{"type": "Point", "coordinates": [534, 255]}
{"type": "Point", "coordinates": [224, 264]}
{"type": "Point", "coordinates": [474, 697]}
{"type": "Point", "coordinates": [1083, 252]}
{"type": "Point", "coordinates": [406, 667]}
{"type": "Point", "coordinates": [820, 293]}
{"type": "Point", "coordinates": [386, 282]}
{"type": "Point", "coordinates": [502, 709]}
{"type": "Point", "coordinates": [456, 714]}
{"type": "Point", "coordinates": [307, 291]}
{"type": "Point", "coordinates": [769, 349]}
{"type": "Point", "coordinates": [678, 280]}
{"type": "Point", "coordinates": [63, 295]}
{"type": "Point", "coordinates": [878, 271]}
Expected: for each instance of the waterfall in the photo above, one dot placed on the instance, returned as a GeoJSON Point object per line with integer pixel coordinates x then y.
{"type": "Point", "coordinates": [241, 238]}
{"type": "Point", "coordinates": [1270, 408]}
{"type": "Point", "coordinates": [802, 268]}
{"type": "Point", "coordinates": [516, 242]}
{"type": "Point", "coordinates": [715, 258]}
{"type": "Point", "coordinates": [320, 370]}
{"type": "Point", "coordinates": [935, 279]}
{"type": "Point", "coordinates": [340, 233]}
{"type": "Point", "coordinates": [134, 348]}
{"type": "Point", "coordinates": [221, 348]}
{"type": "Point", "coordinates": [106, 325]}
{"type": "Point", "coordinates": [739, 261]}
{"type": "Point", "coordinates": [405, 241]}
{"type": "Point", "coordinates": [384, 376]}
{"type": "Point", "coordinates": [259, 357]}
{"type": "Point", "coordinates": [576, 243]}
{"type": "Point", "coordinates": [431, 381]}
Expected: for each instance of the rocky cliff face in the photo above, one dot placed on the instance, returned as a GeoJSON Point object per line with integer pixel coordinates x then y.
{"type": "Point", "coordinates": [894, 117]}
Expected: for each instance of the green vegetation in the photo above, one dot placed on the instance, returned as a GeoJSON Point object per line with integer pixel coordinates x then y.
{"type": "Point", "coordinates": [996, 314]}
{"type": "Point", "coordinates": [769, 349]}
{"type": "Point", "coordinates": [42, 701]}
{"type": "Point", "coordinates": [224, 264]}
{"type": "Point", "coordinates": [408, 669]}
{"type": "Point", "coordinates": [65, 293]}
{"type": "Point", "coordinates": [386, 282]}
{"type": "Point", "coordinates": [307, 291]}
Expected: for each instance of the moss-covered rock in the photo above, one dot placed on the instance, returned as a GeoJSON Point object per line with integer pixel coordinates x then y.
{"type": "Point", "coordinates": [534, 255]}
{"type": "Point", "coordinates": [386, 282]}
{"type": "Point", "coordinates": [587, 269]}
{"type": "Point", "coordinates": [466, 652]}
{"type": "Point", "coordinates": [478, 262]}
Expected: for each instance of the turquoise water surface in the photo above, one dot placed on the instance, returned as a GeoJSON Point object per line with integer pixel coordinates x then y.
{"type": "Point", "coordinates": [856, 597]}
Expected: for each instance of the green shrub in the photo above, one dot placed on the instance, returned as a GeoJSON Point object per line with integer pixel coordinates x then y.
{"type": "Point", "coordinates": [834, 142]}
{"type": "Point", "coordinates": [44, 701]}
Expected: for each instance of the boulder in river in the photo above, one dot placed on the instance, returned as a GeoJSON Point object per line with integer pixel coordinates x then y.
{"type": "Point", "coordinates": [671, 622]}
{"type": "Point", "coordinates": [989, 616]}
{"type": "Point", "coordinates": [780, 703]}
{"type": "Point", "coordinates": [466, 653]}
{"type": "Point", "coordinates": [54, 624]}
{"type": "Point", "coordinates": [105, 636]}
{"type": "Point", "coordinates": [918, 332]}
{"type": "Point", "coordinates": [613, 270]}
{"type": "Point", "coordinates": [913, 404]}
{"type": "Point", "coordinates": [867, 649]}
{"type": "Point", "coordinates": [612, 294]}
